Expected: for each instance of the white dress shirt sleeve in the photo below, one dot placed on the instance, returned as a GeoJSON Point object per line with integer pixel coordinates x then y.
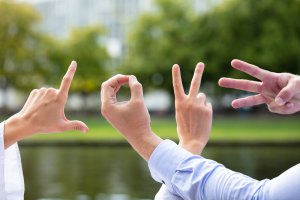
{"type": "Point", "coordinates": [194, 177]}
{"type": "Point", "coordinates": [164, 194]}
{"type": "Point", "coordinates": [11, 174]}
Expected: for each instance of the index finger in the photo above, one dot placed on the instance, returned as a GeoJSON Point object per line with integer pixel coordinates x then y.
{"type": "Point", "coordinates": [250, 69]}
{"type": "Point", "coordinates": [110, 87]}
{"type": "Point", "coordinates": [196, 81]}
{"type": "Point", "coordinates": [177, 82]}
{"type": "Point", "coordinates": [240, 84]}
{"type": "Point", "coordinates": [67, 80]}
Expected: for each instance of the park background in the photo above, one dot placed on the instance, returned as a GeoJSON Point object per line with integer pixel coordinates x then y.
{"type": "Point", "coordinates": [39, 39]}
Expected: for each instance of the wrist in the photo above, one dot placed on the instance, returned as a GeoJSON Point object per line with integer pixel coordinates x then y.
{"type": "Point", "coordinates": [145, 143]}
{"type": "Point", "coordinates": [193, 146]}
{"type": "Point", "coordinates": [16, 128]}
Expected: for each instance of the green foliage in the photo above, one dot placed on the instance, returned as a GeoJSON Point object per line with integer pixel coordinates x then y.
{"type": "Point", "coordinates": [266, 33]}
{"type": "Point", "coordinates": [30, 59]}
{"type": "Point", "coordinates": [158, 41]}
{"type": "Point", "coordinates": [83, 45]}
{"type": "Point", "coordinates": [20, 58]}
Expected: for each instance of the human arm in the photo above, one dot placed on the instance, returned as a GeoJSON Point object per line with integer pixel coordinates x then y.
{"type": "Point", "coordinates": [194, 177]}
{"type": "Point", "coordinates": [193, 117]}
{"type": "Point", "coordinates": [187, 175]}
{"type": "Point", "coordinates": [43, 112]}
{"type": "Point", "coordinates": [280, 91]}
{"type": "Point", "coordinates": [131, 118]}
{"type": "Point", "coordinates": [193, 112]}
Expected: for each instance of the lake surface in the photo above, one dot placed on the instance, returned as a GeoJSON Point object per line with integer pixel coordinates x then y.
{"type": "Point", "coordinates": [118, 173]}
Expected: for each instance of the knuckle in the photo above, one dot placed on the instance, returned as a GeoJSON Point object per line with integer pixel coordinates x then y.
{"type": "Point", "coordinates": [103, 85]}
{"type": "Point", "coordinates": [119, 75]}
{"type": "Point", "coordinates": [208, 110]}
{"type": "Point", "coordinates": [34, 91]}
{"type": "Point", "coordinates": [271, 108]}
{"type": "Point", "coordinates": [137, 86]}
{"type": "Point", "coordinates": [137, 101]}
{"type": "Point", "coordinates": [201, 96]}
{"type": "Point", "coordinates": [51, 91]}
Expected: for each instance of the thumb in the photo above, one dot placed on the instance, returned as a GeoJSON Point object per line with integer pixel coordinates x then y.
{"type": "Point", "coordinates": [136, 88]}
{"type": "Point", "coordinates": [76, 125]}
{"type": "Point", "coordinates": [285, 94]}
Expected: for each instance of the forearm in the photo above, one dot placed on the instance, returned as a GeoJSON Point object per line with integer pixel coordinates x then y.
{"type": "Point", "coordinates": [145, 144]}
{"type": "Point", "coordinates": [16, 128]}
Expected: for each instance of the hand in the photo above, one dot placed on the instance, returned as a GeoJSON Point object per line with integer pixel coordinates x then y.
{"type": "Point", "coordinates": [43, 112]}
{"type": "Point", "coordinates": [131, 118]}
{"type": "Point", "coordinates": [280, 91]}
{"type": "Point", "coordinates": [193, 112]}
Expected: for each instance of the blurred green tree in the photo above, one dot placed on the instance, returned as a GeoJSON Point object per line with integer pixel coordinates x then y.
{"type": "Point", "coordinates": [86, 46]}
{"type": "Point", "coordinates": [160, 39]}
{"type": "Point", "coordinates": [21, 61]}
{"type": "Point", "coordinates": [266, 33]}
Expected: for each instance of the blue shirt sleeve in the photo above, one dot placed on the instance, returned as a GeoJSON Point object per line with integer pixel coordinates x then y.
{"type": "Point", "coordinates": [165, 194]}
{"type": "Point", "coordinates": [194, 177]}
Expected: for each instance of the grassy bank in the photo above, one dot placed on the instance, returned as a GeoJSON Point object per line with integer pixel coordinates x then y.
{"type": "Point", "coordinates": [224, 129]}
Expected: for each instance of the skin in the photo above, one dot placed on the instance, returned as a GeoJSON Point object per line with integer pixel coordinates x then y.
{"type": "Point", "coordinates": [43, 112]}
{"type": "Point", "coordinates": [193, 112]}
{"type": "Point", "coordinates": [131, 118]}
{"type": "Point", "coordinates": [280, 91]}
{"type": "Point", "coordinates": [193, 116]}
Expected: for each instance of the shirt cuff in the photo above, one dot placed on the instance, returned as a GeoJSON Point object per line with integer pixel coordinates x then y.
{"type": "Point", "coordinates": [164, 161]}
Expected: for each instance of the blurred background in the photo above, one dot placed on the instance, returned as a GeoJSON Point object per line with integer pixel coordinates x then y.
{"type": "Point", "coordinates": [40, 38]}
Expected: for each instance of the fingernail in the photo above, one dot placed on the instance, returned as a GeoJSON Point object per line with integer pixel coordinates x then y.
{"type": "Point", "coordinates": [279, 101]}
{"type": "Point", "coordinates": [133, 77]}
{"type": "Point", "coordinates": [73, 63]}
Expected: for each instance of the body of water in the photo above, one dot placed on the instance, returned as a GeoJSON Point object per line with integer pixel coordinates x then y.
{"type": "Point", "coordinates": [118, 173]}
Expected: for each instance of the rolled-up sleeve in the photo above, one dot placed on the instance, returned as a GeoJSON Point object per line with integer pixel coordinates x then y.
{"type": "Point", "coordinates": [12, 181]}
{"type": "Point", "coordinates": [194, 177]}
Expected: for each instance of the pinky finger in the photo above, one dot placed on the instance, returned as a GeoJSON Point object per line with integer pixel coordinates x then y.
{"type": "Point", "coordinates": [249, 101]}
